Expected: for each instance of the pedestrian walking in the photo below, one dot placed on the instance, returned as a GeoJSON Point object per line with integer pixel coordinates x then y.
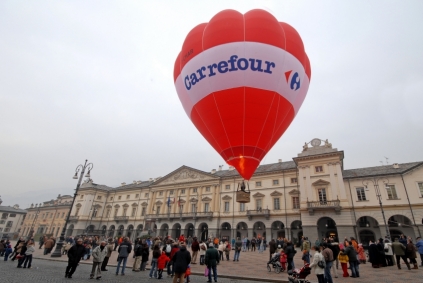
{"type": "Point", "coordinates": [48, 246]}
{"type": "Point", "coordinates": [181, 260]}
{"type": "Point", "coordinates": [221, 249]}
{"type": "Point", "coordinates": [138, 255]}
{"type": "Point", "coordinates": [75, 254]}
{"type": "Point", "coordinates": [399, 251]}
{"type": "Point", "coordinates": [419, 245]}
{"type": "Point", "coordinates": [7, 252]}
{"type": "Point", "coordinates": [410, 252]}
{"type": "Point", "coordinates": [389, 254]}
{"type": "Point", "coordinates": [109, 249]}
{"type": "Point", "coordinates": [195, 247]}
{"type": "Point", "coordinates": [238, 245]}
{"type": "Point", "coordinates": [156, 255]}
{"type": "Point", "coordinates": [290, 252]}
{"type": "Point", "coordinates": [272, 248]}
{"type": "Point", "coordinates": [144, 256]}
{"type": "Point", "coordinates": [343, 259]}
{"type": "Point", "coordinates": [30, 249]}
{"type": "Point", "coordinates": [328, 255]}
{"type": "Point", "coordinates": [203, 248]}
{"type": "Point", "coordinates": [124, 250]}
{"type": "Point", "coordinates": [99, 254]}
{"type": "Point", "coordinates": [212, 259]}
{"type": "Point", "coordinates": [318, 258]}
{"type": "Point", "coordinates": [352, 259]}
{"type": "Point", "coordinates": [161, 264]}
{"type": "Point", "coordinates": [228, 251]}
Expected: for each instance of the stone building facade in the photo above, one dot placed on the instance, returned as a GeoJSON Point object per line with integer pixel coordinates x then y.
{"type": "Point", "coordinates": [11, 218]}
{"type": "Point", "coordinates": [311, 195]}
{"type": "Point", "coordinates": [47, 218]}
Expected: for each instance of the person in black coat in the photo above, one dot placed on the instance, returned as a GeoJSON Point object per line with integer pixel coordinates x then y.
{"type": "Point", "coordinates": [181, 260]}
{"type": "Point", "coordinates": [290, 252]}
{"type": "Point", "coordinates": [75, 254]}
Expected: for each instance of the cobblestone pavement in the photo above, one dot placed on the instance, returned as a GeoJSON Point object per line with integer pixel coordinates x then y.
{"type": "Point", "coordinates": [251, 266]}
{"type": "Point", "coordinates": [53, 271]}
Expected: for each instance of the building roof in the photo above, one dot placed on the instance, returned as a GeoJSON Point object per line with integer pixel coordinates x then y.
{"type": "Point", "coordinates": [274, 167]}
{"type": "Point", "coordinates": [265, 168]}
{"type": "Point", "coordinates": [380, 170]}
{"type": "Point", "coordinates": [10, 209]}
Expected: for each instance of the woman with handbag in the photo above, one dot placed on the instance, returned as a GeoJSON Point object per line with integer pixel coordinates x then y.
{"type": "Point", "coordinates": [318, 264]}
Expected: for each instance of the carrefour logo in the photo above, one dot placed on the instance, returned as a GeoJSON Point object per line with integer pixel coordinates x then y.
{"type": "Point", "coordinates": [293, 81]}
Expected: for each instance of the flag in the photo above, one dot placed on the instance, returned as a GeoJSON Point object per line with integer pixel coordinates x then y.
{"type": "Point", "coordinates": [168, 201]}
{"type": "Point", "coordinates": [179, 202]}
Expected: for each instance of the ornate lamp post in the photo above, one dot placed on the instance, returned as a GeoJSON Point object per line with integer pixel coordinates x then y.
{"type": "Point", "coordinates": [31, 231]}
{"type": "Point", "coordinates": [375, 182]}
{"type": "Point", "coordinates": [58, 251]}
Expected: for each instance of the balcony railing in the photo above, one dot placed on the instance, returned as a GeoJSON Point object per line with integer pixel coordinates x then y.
{"type": "Point", "coordinates": [181, 216]}
{"type": "Point", "coordinates": [73, 218]}
{"type": "Point", "coordinates": [258, 212]}
{"type": "Point", "coordinates": [121, 218]}
{"type": "Point", "coordinates": [324, 205]}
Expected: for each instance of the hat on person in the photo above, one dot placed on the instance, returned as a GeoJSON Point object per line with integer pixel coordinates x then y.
{"type": "Point", "coordinates": [279, 246]}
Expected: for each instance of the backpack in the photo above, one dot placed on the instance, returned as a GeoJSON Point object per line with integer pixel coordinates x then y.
{"type": "Point", "coordinates": [203, 247]}
{"type": "Point", "coordinates": [168, 249]}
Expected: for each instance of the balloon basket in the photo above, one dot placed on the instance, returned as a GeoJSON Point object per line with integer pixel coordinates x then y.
{"type": "Point", "coordinates": [242, 195]}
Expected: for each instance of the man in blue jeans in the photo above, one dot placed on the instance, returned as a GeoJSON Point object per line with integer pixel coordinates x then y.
{"type": "Point", "coordinates": [124, 250]}
{"type": "Point", "coordinates": [352, 259]}
{"type": "Point", "coordinates": [238, 245]}
{"type": "Point", "coordinates": [328, 255]}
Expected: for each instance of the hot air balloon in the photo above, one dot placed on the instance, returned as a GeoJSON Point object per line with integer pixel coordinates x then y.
{"type": "Point", "coordinates": [241, 79]}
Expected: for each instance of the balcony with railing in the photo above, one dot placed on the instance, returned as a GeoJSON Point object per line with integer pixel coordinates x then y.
{"type": "Point", "coordinates": [123, 219]}
{"type": "Point", "coordinates": [335, 205]}
{"type": "Point", "coordinates": [180, 216]}
{"type": "Point", "coordinates": [73, 218]}
{"type": "Point", "coordinates": [258, 212]}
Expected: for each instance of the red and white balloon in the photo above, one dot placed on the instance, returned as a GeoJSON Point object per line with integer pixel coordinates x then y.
{"type": "Point", "coordinates": [241, 79]}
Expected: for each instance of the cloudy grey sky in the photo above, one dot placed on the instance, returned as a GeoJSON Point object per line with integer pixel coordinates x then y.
{"type": "Point", "coordinates": [94, 79]}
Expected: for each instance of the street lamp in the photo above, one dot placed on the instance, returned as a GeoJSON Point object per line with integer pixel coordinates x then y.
{"type": "Point", "coordinates": [58, 251]}
{"type": "Point", "coordinates": [31, 231]}
{"type": "Point", "coordinates": [375, 182]}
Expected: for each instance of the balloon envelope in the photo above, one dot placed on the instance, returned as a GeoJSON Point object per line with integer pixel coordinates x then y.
{"type": "Point", "coordinates": [241, 79]}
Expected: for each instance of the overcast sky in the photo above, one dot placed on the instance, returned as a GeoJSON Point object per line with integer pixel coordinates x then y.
{"type": "Point", "coordinates": [94, 80]}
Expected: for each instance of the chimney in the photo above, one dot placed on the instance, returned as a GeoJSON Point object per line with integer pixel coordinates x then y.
{"type": "Point", "coordinates": [395, 165]}
{"type": "Point", "coordinates": [213, 171]}
{"type": "Point", "coordinates": [123, 184]}
{"type": "Point", "coordinates": [139, 182]}
{"type": "Point", "coordinates": [220, 167]}
{"type": "Point", "coordinates": [151, 179]}
{"type": "Point", "coordinates": [280, 160]}
{"type": "Point", "coordinates": [231, 168]}
{"type": "Point", "coordinates": [134, 182]}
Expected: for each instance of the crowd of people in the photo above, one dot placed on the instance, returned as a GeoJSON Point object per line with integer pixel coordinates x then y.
{"type": "Point", "coordinates": [175, 256]}
{"type": "Point", "coordinates": [328, 253]}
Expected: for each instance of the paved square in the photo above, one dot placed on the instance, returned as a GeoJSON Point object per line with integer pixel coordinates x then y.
{"type": "Point", "coordinates": [251, 266]}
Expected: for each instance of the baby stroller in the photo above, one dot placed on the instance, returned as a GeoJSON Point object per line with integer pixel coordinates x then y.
{"type": "Point", "coordinates": [299, 275]}
{"type": "Point", "coordinates": [275, 263]}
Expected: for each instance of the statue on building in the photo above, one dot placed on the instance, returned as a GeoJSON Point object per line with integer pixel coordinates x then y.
{"type": "Point", "coordinates": [328, 144]}
{"type": "Point", "coordinates": [305, 146]}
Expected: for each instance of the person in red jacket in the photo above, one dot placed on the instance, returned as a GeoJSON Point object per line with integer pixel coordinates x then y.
{"type": "Point", "coordinates": [161, 263]}
{"type": "Point", "coordinates": [170, 269]}
{"type": "Point", "coordinates": [181, 238]}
